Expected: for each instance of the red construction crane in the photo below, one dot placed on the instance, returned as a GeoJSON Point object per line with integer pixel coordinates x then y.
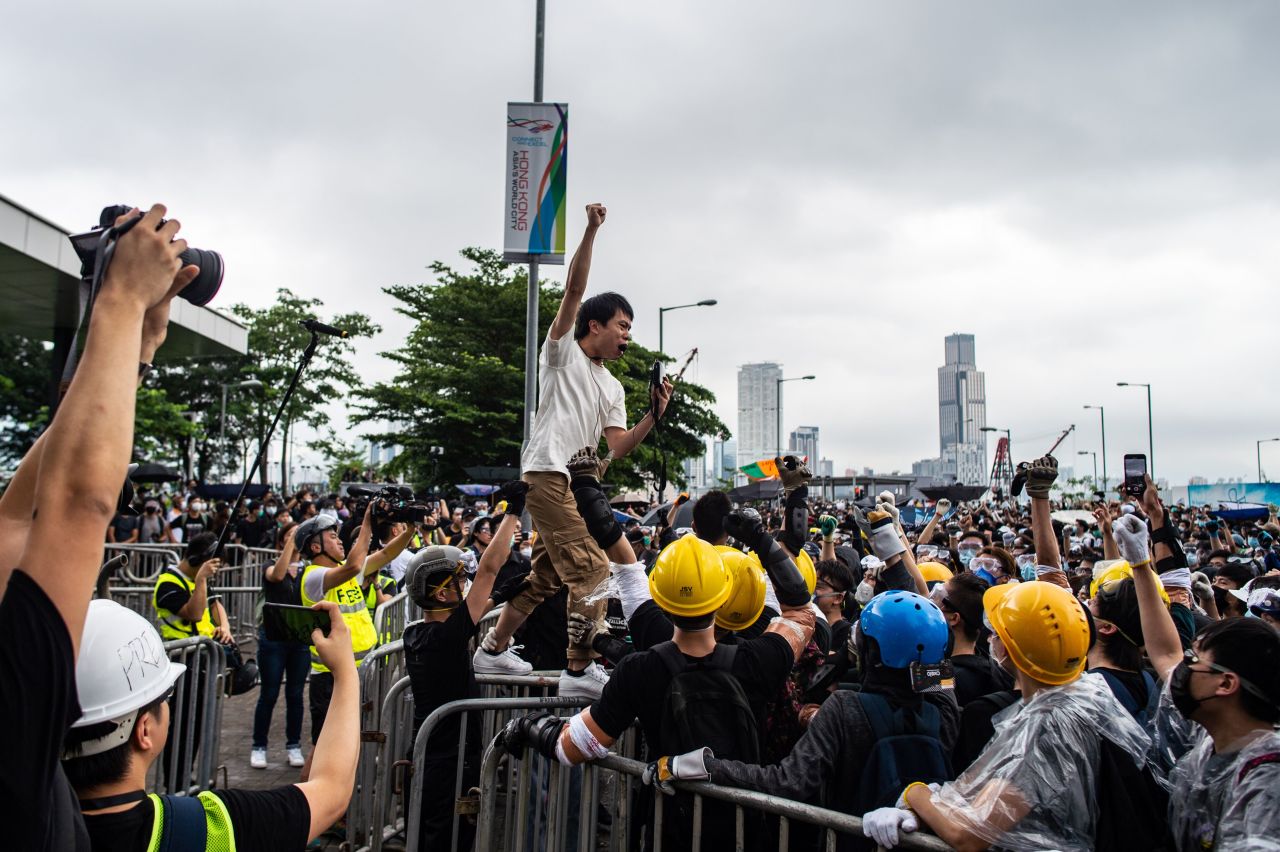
{"type": "Point", "coordinates": [1001, 471]}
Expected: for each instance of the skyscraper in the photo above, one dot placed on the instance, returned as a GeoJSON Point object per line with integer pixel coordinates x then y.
{"type": "Point", "coordinates": [724, 460]}
{"type": "Point", "coordinates": [962, 411]}
{"type": "Point", "coordinates": [804, 442]}
{"type": "Point", "coordinates": [758, 414]}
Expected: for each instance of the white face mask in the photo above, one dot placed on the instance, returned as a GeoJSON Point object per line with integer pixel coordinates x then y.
{"type": "Point", "coordinates": [197, 506]}
{"type": "Point", "coordinates": [526, 552]}
{"type": "Point", "coordinates": [270, 510]}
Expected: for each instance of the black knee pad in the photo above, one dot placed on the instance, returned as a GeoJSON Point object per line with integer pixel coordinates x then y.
{"type": "Point", "coordinates": [595, 510]}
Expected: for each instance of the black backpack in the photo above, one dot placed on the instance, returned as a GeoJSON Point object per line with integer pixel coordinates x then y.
{"type": "Point", "coordinates": [907, 748]}
{"type": "Point", "coordinates": [1132, 806]}
{"type": "Point", "coordinates": [706, 706]}
{"type": "Point", "coordinates": [1140, 713]}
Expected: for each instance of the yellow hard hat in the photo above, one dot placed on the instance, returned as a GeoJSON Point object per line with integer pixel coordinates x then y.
{"type": "Point", "coordinates": [747, 589]}
{"type": "Point", "coordinates": [810, 574]}
{"type": "Point", "coordinates": [1107, 571]}
{"type": "Point", "coordinates": [689, 578]}
{"type": "Point", "coordinates": [1043, 626]}
{"type": "Point", "coordinates": [934, 572]}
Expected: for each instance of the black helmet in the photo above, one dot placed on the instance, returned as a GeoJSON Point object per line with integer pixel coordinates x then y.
{"type": "Point", "coordinates": [428, 571]}
{"type": "Point", "coordinates": [243, 675]}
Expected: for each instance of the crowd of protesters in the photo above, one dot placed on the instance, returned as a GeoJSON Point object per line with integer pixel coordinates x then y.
{"type": "Point", "coordinates": [991, 675]}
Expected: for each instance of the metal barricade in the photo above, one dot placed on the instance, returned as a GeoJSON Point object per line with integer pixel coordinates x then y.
{"type": "Point", "coordinates": [487, 622]}
{"type": "Point", "coordinates": [495, 713]}
{"type": "Point", "coordinates": [382, 668]}
{"type": "Point", "coordinates": [146, 561]}
{"type": "Point", "coordinates": [241, 604]}
{"type": "Point", "coordinates": [516, 820]}
{"type": "Point", "coordinates": [390, 618]}
{"type": "Point", "coordinates": [190, 759]}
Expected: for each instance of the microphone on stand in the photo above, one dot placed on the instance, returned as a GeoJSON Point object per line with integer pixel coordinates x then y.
{"type": "Point", "coordinates": [317, 327]}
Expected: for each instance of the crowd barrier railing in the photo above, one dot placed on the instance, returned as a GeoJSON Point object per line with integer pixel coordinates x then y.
{"type": "Point", "coordinates": [494, 715]}
{"type": "Point", "coordinates": [505, 821]}
{"type": "Point", "coordinates": [146, 561]}
{"type": "Point", "coordinates": [240, 602]}
{"type": "Point", "coordinates": [190, 760]}
{"type": "Point", "coordinates": [390, 618]}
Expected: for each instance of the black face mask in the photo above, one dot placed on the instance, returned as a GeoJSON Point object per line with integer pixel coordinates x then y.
{"type": "Point", "coordinates": [1180, 690]}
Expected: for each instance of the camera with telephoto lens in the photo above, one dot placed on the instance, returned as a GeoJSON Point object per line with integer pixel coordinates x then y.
{"type": "Point", "coordinates": [396, 503]}
{"type": "Point", "coordinates": [199, 292]}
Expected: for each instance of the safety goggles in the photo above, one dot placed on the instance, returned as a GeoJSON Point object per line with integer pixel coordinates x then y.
{"type": "Point", "coordinates": [926, 552]}
{"type": "Point", "coordinates": [1191, 658]}
{"type": "Point", "coordinates": [987, 563]}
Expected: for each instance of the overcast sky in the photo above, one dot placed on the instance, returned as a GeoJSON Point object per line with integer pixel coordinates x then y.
{"type": "Point", "coordinates": [1090, 188]}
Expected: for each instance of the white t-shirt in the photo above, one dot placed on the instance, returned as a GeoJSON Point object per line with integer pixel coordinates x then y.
{"type": "Point", "coordinates": [578, 400]}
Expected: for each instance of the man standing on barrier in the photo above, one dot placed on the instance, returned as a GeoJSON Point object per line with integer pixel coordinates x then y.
{"type": "Point", "coordinates": [580, 400]}
{"type": "Point", "coordinates": [437, 655]}
{"type": "Point", "coordinates": [331, 577]}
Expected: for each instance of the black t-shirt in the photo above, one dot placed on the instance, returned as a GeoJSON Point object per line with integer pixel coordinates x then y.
{"type": "Point", "coordinates": [38, 704]}
{"type": "Point", "coordinates": [190, 526]}
{"type": "Point", "coordinates": [439, 662]}
{"type": "Point", "coordinates": [639, 685]}
{"type": "Point", "coordinates": [287, 591]}
{"type": "Point", "coordinates": [261, 820]}
{"type": "Point", "coordinates": [978, 675]}
{"type": "Point", "coordinates": [976, 728]}
{"type": "Point", "coordinates": [124, 525]}
{"type": "Point", "coordinates": [250, 531]}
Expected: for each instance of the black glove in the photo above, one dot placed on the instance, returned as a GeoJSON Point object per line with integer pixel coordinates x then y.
{"type": "Point", "coordinates": [539, 731]}
{"type": "Point", "coordinates": [514, 492]}
{"type": "Point", "coordinates": [509, 589]}
{"type": "Point", "coordinates": [746, 526]}
{"type": "Point", "coordinates": [1041, 474]}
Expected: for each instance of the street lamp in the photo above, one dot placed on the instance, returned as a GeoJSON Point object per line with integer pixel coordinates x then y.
{"type": "Point", "coordinates": [222, 429]}
{"type": "Point", "coordinates": [1095, 465]}
{"type": "Point", "coordinates": [1151, 441]}
{"type": "Point", "coordinates": [1102, 414]}
{"type": "Point", "coordinates": [1260, 443]}
{"type": "Point", "coordinates": [1008, 438]}
{"type": "Point", "coordinates": [777, 403]}
{"type": "Point", "coordinates": [705, 303]}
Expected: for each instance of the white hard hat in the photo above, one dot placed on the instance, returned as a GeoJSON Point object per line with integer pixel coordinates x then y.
{"type": "Point", "coordinates": [122, 668]}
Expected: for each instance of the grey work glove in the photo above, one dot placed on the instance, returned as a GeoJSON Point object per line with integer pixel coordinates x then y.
{"type": "Point", "coordinates": [881, 532]}
{"type": "Point", "coordinates": [793, 472]}
{"type": "Point", "coordinates": [582, 629]}
{"type": "Point", "coordinates": [690, 766]}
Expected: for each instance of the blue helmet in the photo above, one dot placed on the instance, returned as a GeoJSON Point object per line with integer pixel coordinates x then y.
{"type": "Point", "coordinates": [907, 629]}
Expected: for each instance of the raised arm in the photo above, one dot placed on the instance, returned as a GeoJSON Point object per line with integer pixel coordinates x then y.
{"type": "Point", "coordinates": [1040, 475]}
{"type": "Point", "coordinates": [85, 452]}
{"type": "Point", "coordinates": [579, 270]}
{"type": "Point", "coordinates": [1103, 516]}
{"type": "Point", "coordinates": [495, 555]}
{"type": "Point", "coordinates": [377, 561]}
{"type": "Point", "coordinates": [1160, 634]}
{"type": "Point", "coordinates": [288, 554]}
{"type": "Point", "coordinates": [940, 510]}
{"type": "Point", "coordinates": [354, 563]}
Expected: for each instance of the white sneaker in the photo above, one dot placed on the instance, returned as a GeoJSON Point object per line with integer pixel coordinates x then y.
{"type": "Point", "coordinates": [589, 685]}
{"type": "Point", "coordinates": [295, 756]}
{"type": "Point", "coordinates": [258, 758]}
{"type": "Point", "coordinates": [508, 662]}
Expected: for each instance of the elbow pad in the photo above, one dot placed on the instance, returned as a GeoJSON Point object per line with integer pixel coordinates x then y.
{"type": "Point", "coordinates": [781, 568]}
{"type": "Point", "coordinates": [596, 512]}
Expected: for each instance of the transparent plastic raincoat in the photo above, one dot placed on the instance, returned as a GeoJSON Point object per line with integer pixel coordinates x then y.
{"type": "Point", "coordinates": [1228, 801]}
{"type": "Point", "coordinates": [1033, 787]}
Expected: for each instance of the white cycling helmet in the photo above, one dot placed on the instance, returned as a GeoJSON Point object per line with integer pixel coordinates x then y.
{"type": "Point", "coordinates": [122, 668]}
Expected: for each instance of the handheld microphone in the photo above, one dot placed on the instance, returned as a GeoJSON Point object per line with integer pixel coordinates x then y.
{"type": "Point", "coordinates": [317, 327]}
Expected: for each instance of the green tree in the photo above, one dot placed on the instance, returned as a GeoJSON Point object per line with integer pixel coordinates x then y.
{"type": "Point", "coordinates": [344, 462]}
{"type": "Point", "coordinates": [24, 381]}
{"type": "Point", "coordinates": [460, 383]}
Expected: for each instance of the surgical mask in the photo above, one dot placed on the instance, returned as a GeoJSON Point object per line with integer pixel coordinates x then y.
{"type": "Point", "coordinates": [270, 511]}
{"type": "Point", "coordinates": [1193, 559]}
{"type": "Point", "coordinates": [197, 506]}
{"type": "Point", "coordinates": [1253, 541]}
{"type": "Point", "coordinates": [1026, 566]}
{"type": "Point", "coordinates": [526, 552]}
{"type": "Point", "coordinates": [966, 555]}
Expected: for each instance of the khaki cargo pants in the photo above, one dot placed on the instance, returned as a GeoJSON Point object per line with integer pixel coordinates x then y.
{"type": "Point", "coordinates": [564, 553]}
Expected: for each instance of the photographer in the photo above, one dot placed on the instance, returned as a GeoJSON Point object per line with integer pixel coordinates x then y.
{"type": "Point", "coordinates": [53, 519]}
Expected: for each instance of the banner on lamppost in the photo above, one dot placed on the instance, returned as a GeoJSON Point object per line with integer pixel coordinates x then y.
{"type": "Point", "coordinates": [537, 156]}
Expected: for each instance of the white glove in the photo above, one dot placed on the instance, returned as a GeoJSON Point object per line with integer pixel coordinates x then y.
{"type": "Point", "coordinates": [885, 504]}
{"type": "Point", "coordinates": [1131, 539]}
{"type": "Point", "coordinates": [690, 766]}
{"type": "Point", "coordinates": [865, 592]}
{"type": "Point", "coordinates": [883, 824]}
{"type": "Point", "coordinates": [942, 507]}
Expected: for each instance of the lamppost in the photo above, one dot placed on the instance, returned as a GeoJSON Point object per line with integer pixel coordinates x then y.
{"type": "Point", "coordinates": [222, 428]}
{"type": "Point", "coordinates": [1260, 443]}
{"type": "Point", "coordinates": [1095, 465]}
{"type": "Point", "coordinates": [1102, 416]}
{"type": "Point", "coordinates": [1151, 441]}
{"type": "Point", "coordinates": [777, 404]}
{"type": "Point", "coordinates": [705, 303]}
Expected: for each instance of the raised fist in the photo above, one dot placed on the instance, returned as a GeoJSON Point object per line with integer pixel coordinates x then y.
{"type": "Point", "coordinates": [513, 493]}
{"type": "Point", "coordinates": [745, 526]}
{"type": "Point", "coordinates": [595, 215]}
{"type": "Point", "coordinates": [793, 472]}
{"type": "Point", "coordinates": [585, 462]}
{"type": "Point", "coordinates": [1041, 475]}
